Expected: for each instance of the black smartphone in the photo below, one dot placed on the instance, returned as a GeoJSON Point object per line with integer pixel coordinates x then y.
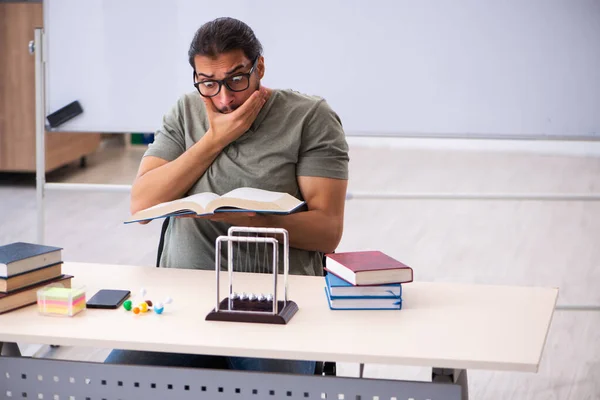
{"type": "Point", "coordinates": [108, 298]}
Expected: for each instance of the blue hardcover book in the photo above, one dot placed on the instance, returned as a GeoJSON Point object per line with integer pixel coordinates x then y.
{"type": "Point", "coordinates": [363, 303]}
{"type": "Point", "coordinates": [339, 288]}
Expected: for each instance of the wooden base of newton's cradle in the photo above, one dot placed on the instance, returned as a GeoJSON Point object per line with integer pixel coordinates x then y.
{"type": "Point", "coordinates": [261, 312]}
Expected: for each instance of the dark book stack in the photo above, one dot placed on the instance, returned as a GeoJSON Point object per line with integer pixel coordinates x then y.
{"type": "Point", "coordinates": [24, 269]}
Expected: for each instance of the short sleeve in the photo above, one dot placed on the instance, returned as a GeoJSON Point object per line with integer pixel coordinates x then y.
{"type": "Point", "coordinates": [169, 141]}
{"type": "Point", "coordinates": [323, 149]}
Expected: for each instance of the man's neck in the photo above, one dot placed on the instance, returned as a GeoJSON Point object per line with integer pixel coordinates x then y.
{"type": "Point", "coordinates": [269, 92]}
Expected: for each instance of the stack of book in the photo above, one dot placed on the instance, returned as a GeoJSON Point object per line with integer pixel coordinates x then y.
{"type": "Point", "coordinates": [365, 280]}
{"type": "Point", "coordinates": [24, 269]}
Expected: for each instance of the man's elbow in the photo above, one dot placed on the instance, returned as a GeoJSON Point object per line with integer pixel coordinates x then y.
{"type": "Point", "coordinates": [335, 237]}
{"type": "Point", "coordinates": [134, 207]}
{"type": "Point", "coordinates": [136, 202]}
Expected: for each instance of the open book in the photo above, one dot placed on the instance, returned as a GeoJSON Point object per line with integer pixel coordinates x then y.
{"type": "Point", "coordinates": [238, 200]}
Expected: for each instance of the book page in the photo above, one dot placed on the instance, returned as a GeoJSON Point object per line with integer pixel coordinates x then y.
{"type": "Point", "coordinates": [199, 198]}
{"type": "Point", "coordinates": [202, 198]}
{"type": "Point", "coordinates": [253, 194]}
{"type": "Point", "coordinates": [194, 203]}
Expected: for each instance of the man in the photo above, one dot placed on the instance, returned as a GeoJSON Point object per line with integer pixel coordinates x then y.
{"type": "Point", "coordinates": [233, 132]}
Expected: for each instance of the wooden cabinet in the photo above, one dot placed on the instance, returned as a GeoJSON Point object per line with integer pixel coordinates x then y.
{"type": "Point", "coordinates": [17, 97]}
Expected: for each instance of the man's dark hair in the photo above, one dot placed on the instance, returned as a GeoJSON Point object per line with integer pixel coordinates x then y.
{"type": "Point", "coordinates": [222, 35]}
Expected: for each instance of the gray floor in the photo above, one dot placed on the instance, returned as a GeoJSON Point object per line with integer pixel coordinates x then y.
{"type": "Point", "coordinates": [545, 243]}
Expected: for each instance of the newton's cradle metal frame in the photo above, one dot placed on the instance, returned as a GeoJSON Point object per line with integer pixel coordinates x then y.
{"type": "Point", "coordinates": [253, 308]}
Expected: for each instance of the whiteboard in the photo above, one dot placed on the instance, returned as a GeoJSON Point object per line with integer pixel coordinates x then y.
{"type": "Point", "coordinates": [387, 67]}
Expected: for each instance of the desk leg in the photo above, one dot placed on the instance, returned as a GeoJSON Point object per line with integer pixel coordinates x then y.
{"type": "Point", "coordinates": [9, 349]}
{"type": "Point", "coordinates": [457, 376]}
{"type": "Point", "coordinates": [361, 370]}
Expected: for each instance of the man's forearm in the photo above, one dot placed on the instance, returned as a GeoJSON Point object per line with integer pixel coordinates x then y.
{"type": "Point", "coordinates": [309, 230]}
{"type": "Point", "coordinates": [173, 179]}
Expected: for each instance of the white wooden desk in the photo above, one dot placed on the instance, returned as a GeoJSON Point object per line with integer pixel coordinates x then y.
{"type": "Point", "coordinates": [443, 325]}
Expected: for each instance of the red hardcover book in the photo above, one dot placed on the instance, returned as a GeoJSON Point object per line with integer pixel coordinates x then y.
{"type": "Point", "coordinates": [368, 268]}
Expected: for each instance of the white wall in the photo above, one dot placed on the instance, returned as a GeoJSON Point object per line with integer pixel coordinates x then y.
{"type": "Point", "coordinates": [417, 67]}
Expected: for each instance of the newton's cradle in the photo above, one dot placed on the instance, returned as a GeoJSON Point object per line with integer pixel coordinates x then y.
{"type": "Point", "coordinates": [253, 307]}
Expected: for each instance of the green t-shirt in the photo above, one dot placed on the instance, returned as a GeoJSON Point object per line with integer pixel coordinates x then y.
{"type": "Point", "coordinates": [293, 135]}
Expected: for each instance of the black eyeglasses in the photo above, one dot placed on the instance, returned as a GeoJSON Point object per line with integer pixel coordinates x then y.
{"type": "Point", "coordinates": [235, 83]}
